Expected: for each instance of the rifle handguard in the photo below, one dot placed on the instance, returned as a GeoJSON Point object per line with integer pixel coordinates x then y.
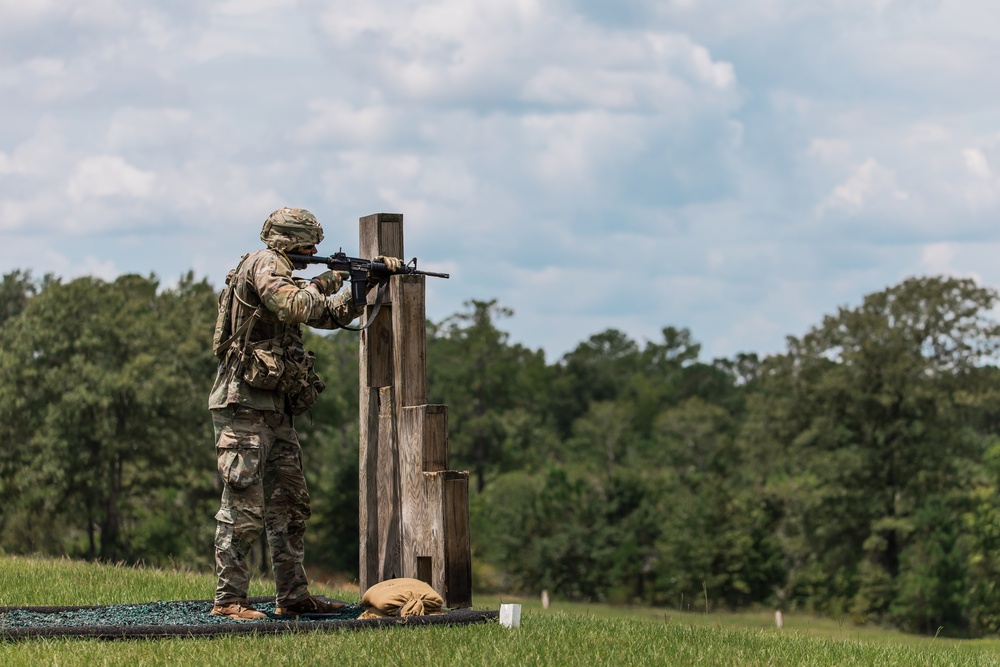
{"type": "Point", "coordinates": [361, 271]}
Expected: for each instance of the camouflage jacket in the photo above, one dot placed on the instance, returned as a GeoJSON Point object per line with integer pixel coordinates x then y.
{"type": "Point", "coordinates": [264, 278]}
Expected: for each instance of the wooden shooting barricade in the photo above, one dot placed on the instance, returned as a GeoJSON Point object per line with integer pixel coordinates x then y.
{"type": "Point", "coordinates": [414, 512]}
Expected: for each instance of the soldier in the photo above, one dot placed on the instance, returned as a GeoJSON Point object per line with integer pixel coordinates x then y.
{"type": "Point", "coordinates": [264, 379]}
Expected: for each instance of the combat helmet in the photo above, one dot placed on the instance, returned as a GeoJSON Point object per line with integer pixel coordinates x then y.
{"type": "Point", "coordinates": [289, 228]}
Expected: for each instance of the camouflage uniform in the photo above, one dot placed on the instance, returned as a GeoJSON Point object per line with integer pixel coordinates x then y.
{"type": "Point", "coordinates": [259, 457]}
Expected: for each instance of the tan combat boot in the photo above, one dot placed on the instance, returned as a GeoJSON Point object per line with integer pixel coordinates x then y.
{"type": "Point", "coordinates": [310, 605]}
{"type": "Point", "coordinates": [238, 611]}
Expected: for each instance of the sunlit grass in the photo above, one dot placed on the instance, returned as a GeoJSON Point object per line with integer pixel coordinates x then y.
{"type": "Point", "coordinates": [37, 581]}
{"type": "Point", "coordinates": [841, 630]}
{"type": "Point", "coordinates": [565, 634]}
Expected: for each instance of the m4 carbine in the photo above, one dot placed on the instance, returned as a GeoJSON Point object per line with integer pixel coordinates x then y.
{"type": "Point", "coordinates": [362, 270]}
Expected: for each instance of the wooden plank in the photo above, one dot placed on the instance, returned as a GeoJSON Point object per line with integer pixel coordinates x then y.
{"type": "Point", "coordinates": [417, 510]}
{"type": "Point", "coordinates": [367, 489]}
{"type": "Point", "coordinates": [390, 555]}
{"type": "Point", "coordinates": [425, 569]}
{"type": "Point", "coordinates": [381, 234]}
{"type": "Point", "coordinates": [409, 343]}
{"type": "Point", "coordinates": [413, 493]}
{"type": "Point", "coordinates": [376, 348]}
{"type": "Point", "coordinates": [433, 532]}
{"type": "Point", "coordinates": [380, 512]}
{"type": "Point", "coordinates": [435, 438]}
{"type": "Point", "coordinates": [375, 372]}
{"type": "Point", "coordinates": [457, 542]}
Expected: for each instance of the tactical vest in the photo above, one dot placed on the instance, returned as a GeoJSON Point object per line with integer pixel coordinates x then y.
{"type": "Point", "coordinates": [278, 363]}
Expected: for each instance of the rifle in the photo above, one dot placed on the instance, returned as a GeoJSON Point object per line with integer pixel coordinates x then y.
{"type": "Point", "coordinates": [361, 270]}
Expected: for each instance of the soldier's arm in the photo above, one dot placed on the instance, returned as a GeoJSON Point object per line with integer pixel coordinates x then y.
{"type": "Point", "coordinates": [293, 302]}
{"type": "Point", "coordinates": [339, 312]}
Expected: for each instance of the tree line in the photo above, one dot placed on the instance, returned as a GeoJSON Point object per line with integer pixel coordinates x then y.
{"type": "Point", "coordinates": [856, 474]}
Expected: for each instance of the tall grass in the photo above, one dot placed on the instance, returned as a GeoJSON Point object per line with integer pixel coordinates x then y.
{"type": "Point", "coordinates": [563, 635]}
{"type": "Point", "coordinates": [33, 581]}
{"type": "Point", "coordinates": [37, 581]}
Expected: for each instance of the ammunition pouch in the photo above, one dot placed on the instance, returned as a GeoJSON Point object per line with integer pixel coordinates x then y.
{"type": "Point", "coordinates": [289, 370]}
{"type": "Point", "coordinates": [300, 384]}
{"type": "Point", "coordinates": [263, 367]}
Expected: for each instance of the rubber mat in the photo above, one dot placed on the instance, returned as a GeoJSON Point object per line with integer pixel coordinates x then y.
{"type": "Point", "coordinates": [190, 618]}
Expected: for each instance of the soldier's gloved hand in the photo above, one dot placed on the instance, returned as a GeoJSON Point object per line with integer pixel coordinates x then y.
{"type": "Point", "coordinates": [330, 282]}
{"type": "Point", "coordinates": [393, 264]}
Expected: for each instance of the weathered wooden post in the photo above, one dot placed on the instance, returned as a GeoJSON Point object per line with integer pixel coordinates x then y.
{"type": "Point", "coordinates": [414, 513]}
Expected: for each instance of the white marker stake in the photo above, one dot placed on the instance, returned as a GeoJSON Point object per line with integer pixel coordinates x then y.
{"type": "Point", "coordinates": [510, 615]}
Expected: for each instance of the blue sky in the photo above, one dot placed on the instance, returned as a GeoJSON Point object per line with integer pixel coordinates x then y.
{"type": "Point", "coordinates": [740, 168]}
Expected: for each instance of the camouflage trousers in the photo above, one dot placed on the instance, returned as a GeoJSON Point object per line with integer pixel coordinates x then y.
{"type": "Point", "coordinates": [260, 462]}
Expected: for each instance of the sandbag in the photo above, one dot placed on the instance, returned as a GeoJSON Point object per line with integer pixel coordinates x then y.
{"type": "Point", "coordinates": [401, 597]}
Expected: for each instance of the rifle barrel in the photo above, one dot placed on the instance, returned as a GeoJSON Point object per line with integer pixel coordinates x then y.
{"type": "Point", "coordinates": [330, 260]}
{"type": "Point", "coordinates": [432, 274]}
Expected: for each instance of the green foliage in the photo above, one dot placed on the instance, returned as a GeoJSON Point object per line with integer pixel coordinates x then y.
{"type": "Point", "coordinates": [856, 474]}
{"type": "Point", "coordinates": [15, 290]}
{"type": "Point", "coordinates": [495, 392]}
{"type": "Point", "coordinates": [981, 529]}
{"type": "Point", "coordinates": [329, 438]}
{"type": "Point", "coordinates": [863, 423]}
{"type": "Point", "coordinates": [99, 429]}
{"type": "Point", "coordinates": [566, 634]}
{"type": "Point", "coordinates": [578, 537]}
{"type": "Point", "coordinates": [933, 578]}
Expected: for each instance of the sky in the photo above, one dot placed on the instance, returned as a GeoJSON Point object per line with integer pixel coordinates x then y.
{"type": "Point", "coordinates": [740, 168]}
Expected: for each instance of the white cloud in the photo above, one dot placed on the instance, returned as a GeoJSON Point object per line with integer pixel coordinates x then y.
{"type": "Point", "coordinates": [103, 14]}
{"type": "Point", "coordinates": [924, 135]}
{"type": "Point", "coordinates": [755, 332]}
{"type": "Point", "coordinates": [437, 190]}
{"type": "Point", "coordinates": [17, 14]}
{"type": "Point", "coordinates": [452, 50]}
{"type": "Point", "coordinates": [661, 72]}
{"type": "Point", "coordinates": [157, 30]}
{"type": "Point", "coordinates": [245, 7]}
{"type": "Point", "coordinates": [569, 150]}
{"type": "Point", "coordinates": [108, 176]}
{"type": "Point", "coordinates": [977, 164]}
{"type": "Point", "coordinates": [136, 128]}
{"type": "Point", "coordinates": [836, 151]}
{"type": "Point", "coordinates": [39, 215]}
{"type": "Point", "coordinates": [215, 44]}
{"type": "Point", "coordinates": [47, 81]}
{"type": "Point", "coordinates": [758, 162]}
{"type": "Point", "coordinates": [63, 265]}
{"type": "Point", "coordinates": [868, 183]}
{"type": "Point", "coordinates": [38, 156]}
{"type": "Point", "coordinates": [339, 121]}
{"type": "Point", "coordinates": [726, 18]}
{"type": "Point", "coordinates": [105, 269]}
{"type": "Point", "coordinates": [939, 258]}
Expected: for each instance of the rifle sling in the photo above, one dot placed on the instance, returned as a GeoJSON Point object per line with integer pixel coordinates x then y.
{"type": "Point", "coordinates": [246, 326]}
{"type": "Point", "coordinates": [382, 284]}
{"type": "Point", "coordinates": [249, 322]}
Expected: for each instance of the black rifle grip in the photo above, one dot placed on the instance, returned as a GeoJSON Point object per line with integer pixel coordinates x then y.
{"type": "Point", "coordinates": [359, 291]}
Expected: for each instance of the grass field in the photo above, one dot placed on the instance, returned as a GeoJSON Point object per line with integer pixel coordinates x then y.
{"type": "Point", "coordinates": [565, 634]}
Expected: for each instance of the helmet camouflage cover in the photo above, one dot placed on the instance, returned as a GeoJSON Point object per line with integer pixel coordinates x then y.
{"type": "Point", "coordinates": [289, 228]}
